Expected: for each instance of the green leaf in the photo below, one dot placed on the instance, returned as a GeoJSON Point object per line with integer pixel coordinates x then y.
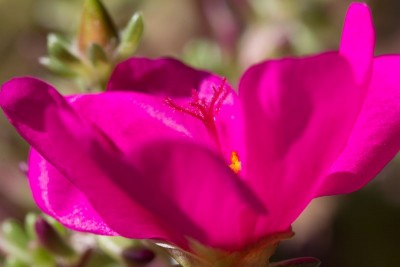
{"type": "Point", "coordinates": [58, 67]}
{"type": "Point", "coordinates": [30, 220]}
{"type": "Point", "coordinates": [14, 243]}
{"type": "Point", "coordinates": [298, 262]}
{"type": "Point", "coordinates": [114, 245]}
{"type": "Point", "coordinates": [131, 36]}
{"type": "Point", "coordinates": [58, 48]}
{"type": "Point", "coordinates": [14, 262]}
{"type": "Point", "coordinates": [95, 258]}
{"type": "Point", "coordinates": [14, 233]}
{"type": "Point", "coordinates": [43, 258]}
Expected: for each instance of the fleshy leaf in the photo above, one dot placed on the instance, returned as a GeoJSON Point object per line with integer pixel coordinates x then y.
{"type": "Point", "coordinates": [14, 242]}
{"type": "Point", "coordinates": [131, 36]}
{"type": "Point", "coordinates": [114, 245]}
{"type": "Point", "coordinates": [14, 233]}
{"type": "Point", "coordinates": [58, 67]}
{"type": "Point", "coordinates": [14, 262]}
{"type": "Point", "coordinates": [57, 48]}
{"type": "Point", "coordinates": [30, 220]}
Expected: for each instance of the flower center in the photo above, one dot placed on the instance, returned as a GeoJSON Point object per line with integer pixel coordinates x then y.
{"type": "Point", "coordinates": [206, 110]}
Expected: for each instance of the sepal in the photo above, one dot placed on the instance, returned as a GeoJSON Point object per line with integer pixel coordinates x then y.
{"type": "Point", "coordinates": [97, 55]}
{"type": "Point", "coordinates": [298, 262]}
{"type": "Point", "coordinates": [256, 255]}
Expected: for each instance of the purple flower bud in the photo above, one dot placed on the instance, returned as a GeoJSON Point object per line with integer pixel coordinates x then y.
{"type": "Point", "coordinates": [138, 255]}
{"type": "Point", "coordinates": [50, 239]}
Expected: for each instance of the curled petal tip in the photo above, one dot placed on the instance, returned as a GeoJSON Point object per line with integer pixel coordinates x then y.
{"type": "Point", "coordinates": [20, 96]}
{"type": "Point", "coordinates": [18, 88]}
{"type": "Point", "coordinates": [11, 92]}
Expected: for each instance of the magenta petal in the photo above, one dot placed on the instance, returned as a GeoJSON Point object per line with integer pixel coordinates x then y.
{"type": "Point", "coordinates": [170, 78]}
{"type": "Point", "coordinates": [132, 196]}
{"type": "Point", "coordinates": [375, 139]}
{"type": "Point", "coordinates": [299, 113]}
{"type": "Point", "coordinates": [358, 39]}
{"type": "Point", "coordinates": [178, 176]}
{"type": "Point", "coordinates": [132, 119]}
{"type": "Point", "coordinates": [199, 184]}
{"type": "Point", "coordinates": [78, 151]}
{"type": "Point", "coordinates": [59, 198]}
{"type": "Point", "coordinates": [165, 76]}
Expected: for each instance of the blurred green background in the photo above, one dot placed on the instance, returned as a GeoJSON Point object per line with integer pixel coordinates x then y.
{"type": "Point", "coordinates": [362, 229]}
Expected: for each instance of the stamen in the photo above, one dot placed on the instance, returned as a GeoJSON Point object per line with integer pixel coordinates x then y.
{"type": "Point", "coordinates": [204, 109]}
{"type": "Point", "coordinates": [236, 164]}
{"type": "Point", "coordinates": [193, 113]}
{"type": "Point", "coordinates": [217, 94]}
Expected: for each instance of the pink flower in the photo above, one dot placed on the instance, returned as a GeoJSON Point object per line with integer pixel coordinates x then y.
{"type": "Point", "coordinates": [149, 158]}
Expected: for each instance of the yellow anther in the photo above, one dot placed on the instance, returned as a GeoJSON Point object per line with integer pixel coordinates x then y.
{"type": "Point", "coordinates": [235, 165]}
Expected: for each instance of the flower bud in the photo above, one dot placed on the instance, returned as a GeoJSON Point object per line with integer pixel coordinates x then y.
{"type": "Point", "coordinates": [137, 255]}
{"type": "Point", "coordinates": [23, 167]}
{"type": "Point", "coordinates": [51, 240]}
{"type": "Point", "coordinates": [96, 27]}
